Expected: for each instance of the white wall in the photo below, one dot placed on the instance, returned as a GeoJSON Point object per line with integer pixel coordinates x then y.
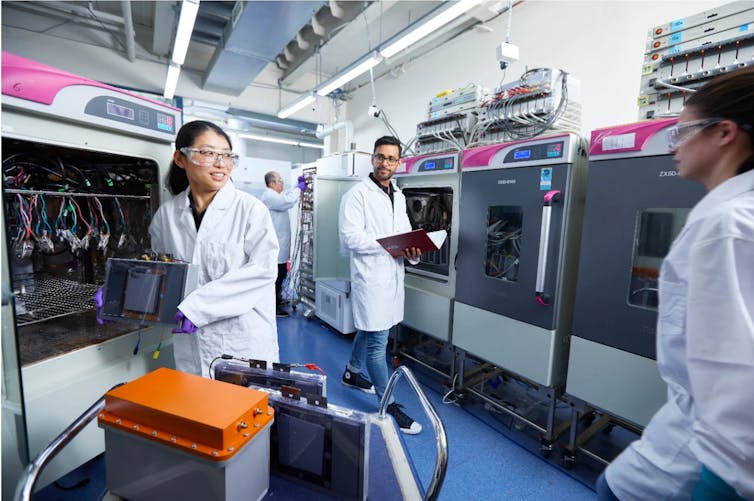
{"type": "Point", "coordinates": [249, 175]}
{"type": "Point", "coordinates": [600, 43]}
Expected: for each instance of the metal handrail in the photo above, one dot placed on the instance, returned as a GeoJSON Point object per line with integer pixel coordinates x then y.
{"type": "Point", "coordinates": [441, 462]}
{"type": "Point", "coordinates": [25, 485]}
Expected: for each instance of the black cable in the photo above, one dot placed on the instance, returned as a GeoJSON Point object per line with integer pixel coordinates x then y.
{"type": "Point", "coordinates": [224, 357]}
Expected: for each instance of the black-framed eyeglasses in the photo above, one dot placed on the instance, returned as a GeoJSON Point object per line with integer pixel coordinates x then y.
{"type": "Point", "coordinates": [208, 158]}
{"type": "Point", "coordinates": [379, 158]}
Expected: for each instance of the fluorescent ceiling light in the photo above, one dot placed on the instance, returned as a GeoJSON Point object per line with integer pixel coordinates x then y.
{"type": "Point", "coordinates": [414, 34]}
{"type": "Point", "coordinates": [189, 8]}
{"type": "Point", "coordinates": [356, 69]}
{"type": "Point", "coordinates": [280, 140]}
{"type": "Point", "coordinates": [296, 104]}
{"type": "Point", "coordinates": [172, 80]}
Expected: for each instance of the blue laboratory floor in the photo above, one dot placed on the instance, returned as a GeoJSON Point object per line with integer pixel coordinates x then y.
{"type": "Point", "coordinates": [487, 458]}
{"type": "Point", "coordinates": [482, 463]}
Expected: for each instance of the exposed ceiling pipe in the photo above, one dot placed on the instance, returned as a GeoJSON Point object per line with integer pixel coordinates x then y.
{"type": "Point", "coordinates": [90, 23]}
{"type": "Point", "coordinates": [129, 30]}
{"type": "Point", "coordinates": [292, 51]}
{"type": "Point", "coordinates": [84, 12]}
{"type": "Point", "coordinates": [281, 62]}
{"type": "Point", "coordinates": [323, 132]}
{"type": "Point", "coordinates": [326, 21]}
{"type": "Point", "coordinates": [323, 21]}
{"type": "Point", "coordinates": [306, 37]}
{"type": "Point", "coordinates": [347, 9]}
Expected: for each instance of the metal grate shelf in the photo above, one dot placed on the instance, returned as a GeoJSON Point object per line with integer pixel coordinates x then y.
{"type": "Point", "coordinates": [39, 299]}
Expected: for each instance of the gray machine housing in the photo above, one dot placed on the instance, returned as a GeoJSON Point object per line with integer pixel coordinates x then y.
{"type": "Point", "coordinates": [502, 322]}
{"type": "Point", "coordinates": [139, 469]}
{"type": "Point", "coordinates": [612, 358]}
{"type": "Point", "coordinates": [430, 287]}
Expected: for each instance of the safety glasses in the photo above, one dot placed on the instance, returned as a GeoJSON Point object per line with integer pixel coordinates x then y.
{"type": "Point", "coordinates": [682, 132]}
{"type": "Point", "coordinates": [208, 158]}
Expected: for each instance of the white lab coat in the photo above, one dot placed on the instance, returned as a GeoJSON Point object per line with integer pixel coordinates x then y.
{"type": "Point", "coordinates": [234, 304]}
{"type": "Point", "coordinates": [376, 277]}
{"type": "Point", "coordinates": [705, 352]}
{"type": "Point", "coordinates": [279, 205]}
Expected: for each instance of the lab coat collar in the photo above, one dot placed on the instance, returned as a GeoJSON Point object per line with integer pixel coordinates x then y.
{"type": "Point", "coordinates": [727, 190]}
{"type": "Point", "coordinates": [222, 200]}
{"type": "Point", "coordinates": [224, 197]}
{"type": "Point", "coordinates": [373, 186]}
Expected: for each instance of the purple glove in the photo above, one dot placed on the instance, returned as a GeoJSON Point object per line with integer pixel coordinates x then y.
{"type": "Point", "coordinates": [187, 326]}
{"type": "Point", "coordinates": [302, 183]}
{"type": "Point", "coordinates": [99, 302]}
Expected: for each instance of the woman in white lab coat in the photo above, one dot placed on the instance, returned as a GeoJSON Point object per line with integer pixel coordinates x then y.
{"type": "Point", "coordinates": [700, 444]}
{"type": "Point", "coordinates": [229, 235]}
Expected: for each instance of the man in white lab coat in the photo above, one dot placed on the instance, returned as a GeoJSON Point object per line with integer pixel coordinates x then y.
{"type": "Point", "coordinates": [373, 209]}
{"type": "Point", "coordinates": [279, 202]}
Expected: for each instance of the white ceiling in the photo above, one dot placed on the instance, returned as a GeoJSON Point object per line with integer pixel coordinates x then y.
{"type": "Point", "coordinates": [222, 47]}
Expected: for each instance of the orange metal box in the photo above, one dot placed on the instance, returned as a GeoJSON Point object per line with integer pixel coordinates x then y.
{"type": "Point", "coordinates": [171, 435]}
{"type": "Point", "coordinates": [204, 417]}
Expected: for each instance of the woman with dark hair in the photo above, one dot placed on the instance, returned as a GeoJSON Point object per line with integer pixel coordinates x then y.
{"type": "Point", "coordinates": [700, 444]}
{"type": "Point", "coordinates": [229, 235]}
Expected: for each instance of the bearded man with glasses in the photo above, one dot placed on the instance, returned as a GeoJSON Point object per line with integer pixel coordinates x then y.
{"type": "Point", "coordinates": [373, 209]}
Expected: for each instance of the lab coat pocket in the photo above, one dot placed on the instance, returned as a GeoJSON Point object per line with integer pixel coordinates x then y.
{"type": "Point", "coordinates": [378, 270]}
{"type": "Point", "coordinates": [218, 258]}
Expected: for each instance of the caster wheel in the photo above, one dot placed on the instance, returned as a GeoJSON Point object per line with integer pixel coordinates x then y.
{"type": "Point", "coordinates": [396, 362]}
{"type": "Point", "coordinates": [545, 448]}
{"type": "Point", "coordinates": [567, 460]}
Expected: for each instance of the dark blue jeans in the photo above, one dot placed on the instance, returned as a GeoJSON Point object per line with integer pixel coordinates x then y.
{"type": "Point", "coordinates": [371, 345]}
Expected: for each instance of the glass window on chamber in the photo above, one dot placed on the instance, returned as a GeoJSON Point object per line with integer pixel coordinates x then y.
{"type": "Point", "coordinates": [655, 231]}
{"type": "Point", "coordinates": [503, 247]}
{"type": "Point", "coordinates": [431, 209]}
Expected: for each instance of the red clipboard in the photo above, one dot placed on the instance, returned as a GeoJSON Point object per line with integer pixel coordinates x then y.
{"type": "Point", "coordinates": [395, 244]}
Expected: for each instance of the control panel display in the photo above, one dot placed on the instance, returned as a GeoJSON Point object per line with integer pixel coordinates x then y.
{"type": "Point", "coordinates": [120, 111]}
{"type": "Point", "coordinates": [132, 113]}
{"type": "Point", "coordinates": [437, 164]}
{"type": "Point", "coordinates": [544, 151]}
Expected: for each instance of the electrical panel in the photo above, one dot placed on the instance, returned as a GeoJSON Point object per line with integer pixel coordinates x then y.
{"type": "Point", "coordinates": [684, 54]}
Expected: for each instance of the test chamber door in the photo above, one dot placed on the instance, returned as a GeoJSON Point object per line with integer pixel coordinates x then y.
{"type": "Point", "coordinates": [520, 226]}
{"type": "Point", "coordinates": [635, 208]}
{"type": "Point", "coordinates": [331, 262]}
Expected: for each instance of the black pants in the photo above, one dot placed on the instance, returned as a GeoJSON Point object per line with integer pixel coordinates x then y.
{"type": "Point", "coordinates": [282, 273]}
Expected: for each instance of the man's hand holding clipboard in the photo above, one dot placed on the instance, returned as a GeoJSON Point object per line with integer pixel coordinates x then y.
{"type": "Point", "coordinates": [417, 239]}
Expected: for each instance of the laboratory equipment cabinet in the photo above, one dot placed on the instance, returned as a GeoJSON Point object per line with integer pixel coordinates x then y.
{"type": "Point", "coordinates": [520, 224]}
{"type": "Point", "coordinates": [331, 269]}
{"type": "Point", "coordinates": [82, 167]}
{"type": "Point", "coordinates": [432, 184]}
{"type": "Point", "coordinates": [635, 206]}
